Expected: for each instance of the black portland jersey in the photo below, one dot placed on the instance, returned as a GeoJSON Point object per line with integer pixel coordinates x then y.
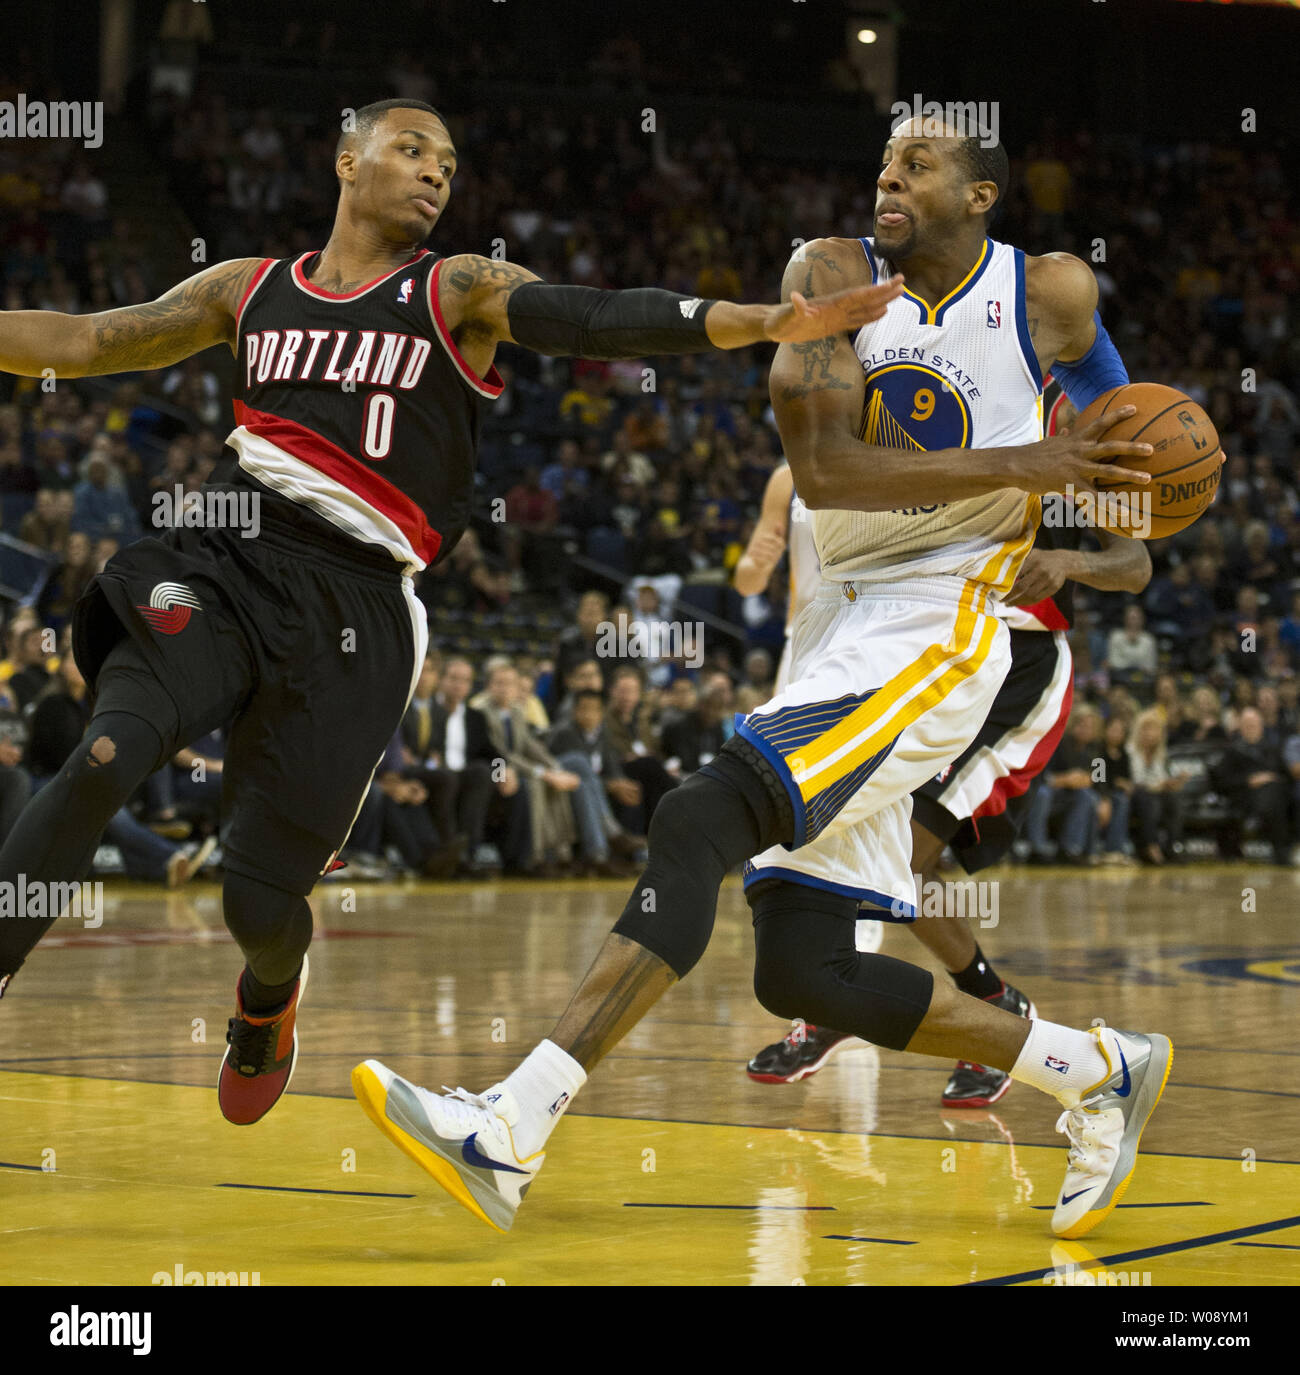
{"type": "Point", "coordinates": [359, 406]}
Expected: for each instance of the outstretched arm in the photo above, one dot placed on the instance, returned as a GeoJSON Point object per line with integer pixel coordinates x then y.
{"type": "Point", "coordinates": [191, 317]}
{"type": "Point", "coordinates": [767, 543]}
{"type": "Point", "coordinates": [485, 302]}
{"type": "Point", "coordinates": [1120, 565]}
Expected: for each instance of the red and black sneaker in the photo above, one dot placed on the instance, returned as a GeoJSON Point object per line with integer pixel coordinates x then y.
{"type": "Point", "coordinates": [979, 1086]}
{"type": "Point", "coordinates": [260, 1055]}
{"type": "Point", "coordinates": [800, 1054]}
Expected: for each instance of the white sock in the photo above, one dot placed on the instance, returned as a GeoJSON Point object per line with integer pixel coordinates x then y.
{"type": "Point", "coordinates": [543, 1087]}
{"type": "Point", "coordinates": [1060, 1061]}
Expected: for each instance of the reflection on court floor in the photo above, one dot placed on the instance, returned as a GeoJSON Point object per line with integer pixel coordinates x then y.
{"type": "Point", "coordinates": [674, 1168]}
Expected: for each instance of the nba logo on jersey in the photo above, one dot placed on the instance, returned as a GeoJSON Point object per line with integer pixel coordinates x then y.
{"type": "Point", "coordinates": [404, 294]}
{"type": "Point", "coordinates": [1060, 1066]}
{"type": "Point", "coordinates": [995, 315]}
{"type": "Point", "coordinates": [942, 775]}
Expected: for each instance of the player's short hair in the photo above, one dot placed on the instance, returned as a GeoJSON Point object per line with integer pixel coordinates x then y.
{"type": "Point", "coordinates": [368, 116]}
{"type": "Point", "coordinates": [982, 163]}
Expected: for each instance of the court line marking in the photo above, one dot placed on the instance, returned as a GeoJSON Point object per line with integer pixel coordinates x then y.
{"type": "Point", "coordinates": [290, 1189]}
{"type": "Point", "coordinates": [745, 1207]}
{"type": "Point", "coordinates": [1048, 1207]}
{"type": "Point", "coordinates": [686, 1121]}
{"type": "Point", "coordinates": [1191, 1244]}
{"type": "Point", "coordinates": [15, 1165]}
{"type": "Point", "coordinates": [1269, 1245]}
{"type": "Point", "coordinates": [882, 1241]}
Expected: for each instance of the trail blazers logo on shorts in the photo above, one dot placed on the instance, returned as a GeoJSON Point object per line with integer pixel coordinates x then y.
{"type": "Point", "coordinates": [170, 604]}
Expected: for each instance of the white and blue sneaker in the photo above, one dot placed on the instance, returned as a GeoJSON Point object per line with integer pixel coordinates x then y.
{"type": "Point", "coordinates": [1106, 1126]}
{"type": "Point", "coordinates": [462, 1139]}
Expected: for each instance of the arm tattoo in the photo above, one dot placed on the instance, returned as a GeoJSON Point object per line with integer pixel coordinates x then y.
{"type": "Point", "coordinates": [612, 1000]}
{"type": "Point", "coordinates": [812, 258]}
{"type": "Point", "coordinates": [192, 316]}
{"type": "Point", "coordinates": [488, 282]}
{"type": "Point", "coordinates": [817, 355]}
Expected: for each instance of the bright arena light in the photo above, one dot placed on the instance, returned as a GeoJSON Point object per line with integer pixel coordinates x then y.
{"type": "Point", "coordinates": [866, 35]}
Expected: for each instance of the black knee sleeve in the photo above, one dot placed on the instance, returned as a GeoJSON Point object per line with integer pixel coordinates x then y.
{"type": "Point", "coordinates": [273, 927]}
{"type": "Point", "coordinates": [806, 966]}
{"type": "Point", "coordinates": [743, 766]}
{"type": "Point", "coordinates": [699, 832]}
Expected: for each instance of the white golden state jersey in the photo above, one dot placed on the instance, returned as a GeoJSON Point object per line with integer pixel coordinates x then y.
{"type": "Point", "coordinates": [959, 374]}
{"type": "Point", "coordinates": [805, 570]}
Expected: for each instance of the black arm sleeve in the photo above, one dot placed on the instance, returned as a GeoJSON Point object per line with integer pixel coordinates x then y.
{"type": "Point", "coordinates": [584, 322]}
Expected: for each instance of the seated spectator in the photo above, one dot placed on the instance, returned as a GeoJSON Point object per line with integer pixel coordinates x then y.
{"type": "Point", "coordinates": [102, 509]}
{"type": "Point", "coordinates": [584, 676]}
{"type": "Point", "coordinates": [15, 782]}
{"type": "Point", "coordinates": [546, 785]}
{"type": "Point", "coordinates": [530, 698]}
{"type": "Point", "coordinates": [1289, 630]}
{"type": "Point", "coordinates": [1178, 607]}
{"type": "Point", "coordinates": [1132, 649]}
{"type": "Point", "coordinates": [1202, 721]}
{"type": "Point", "coordinates": [759, 673]}
{"type": "Point", "coordinates": [1253, 776]}
{"type": "Point", "coordinates": [448, 744]}
{"type": "Point", "coordinates": [1116, 789]}
{"type": "Point", "coordinates": [33, 664]}
{"type": "Point", "coordinates": [690, 741]}
{"type": "Point", "coordinates": [1066, 789]}
{"type": "Point", "coordinates": [44, 525]}
{"type": "Point", "coordinates": [196, 779]}
{"type": "Point", "coordinates": [579, 640]}
{"type": "Point", "coordinates": [401, 819]}
{"type": "Point", "coordinates": [20, 623]}
{"type": "Point", "coordinates": [1157, 799]}
{"type": "Point", "coordinates": [630, 730]}
{"type": "Point", "coordinates": [584, 746]}
{"type": "Point", "coordinates": [560, 477]}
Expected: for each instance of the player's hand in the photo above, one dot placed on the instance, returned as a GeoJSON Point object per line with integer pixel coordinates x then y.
{"type": "Point", "coordinates": [852, 308]}
{"type": "Point", "coordinates": [1041, 575]}
{"type": "Point", "coordinates": [509, 784]}
{"type": "Point", "coordinates": [562, 780]}
{"type": "Point", "coordinates": [1080, 459]}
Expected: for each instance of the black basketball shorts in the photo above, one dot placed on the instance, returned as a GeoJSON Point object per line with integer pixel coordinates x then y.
{"type": "Point", "coordinates": [977, 803]}
{"type": "Point", "coordinates": [308, 646]}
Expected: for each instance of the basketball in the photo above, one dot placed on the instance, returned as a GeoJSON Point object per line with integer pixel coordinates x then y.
{"type": "Point", "coordinates": [1185, 465]}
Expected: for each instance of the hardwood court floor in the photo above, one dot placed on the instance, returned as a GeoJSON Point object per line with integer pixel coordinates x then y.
{"type": "Point", "coordinates": [674, 1168]}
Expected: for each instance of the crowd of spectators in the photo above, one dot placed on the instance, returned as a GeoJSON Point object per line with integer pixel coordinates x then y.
{"type": "Point", "coordinates": [653, 471]}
